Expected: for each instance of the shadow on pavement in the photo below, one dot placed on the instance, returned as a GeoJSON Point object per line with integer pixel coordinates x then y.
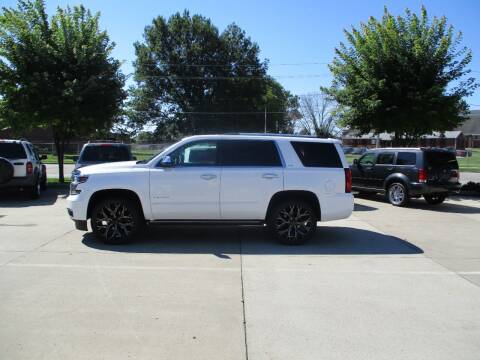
{"type": "Point", "coordinates": [256, 240]}
{"type": "Point", "coordinates": [421, 204]}
{"type": "Point", "coordinates": [361, 207]}
{"type": "Point", "coordinates": [20, 199]}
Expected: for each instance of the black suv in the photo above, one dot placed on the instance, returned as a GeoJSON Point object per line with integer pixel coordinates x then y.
{"type": "Point", "coordinates": [402, 173]}
{"type": "Point", "coordinates": [103, 152]}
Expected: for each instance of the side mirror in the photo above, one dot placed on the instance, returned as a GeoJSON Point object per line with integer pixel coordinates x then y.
{"type": "Point", "coordinates": [43, 157]}
{"type": "Point", "coordinates": [166, 161]}
{"type": "Point", "coordinates": [75, 158]}
{"type": "Point", "coordinates": [355, 162]}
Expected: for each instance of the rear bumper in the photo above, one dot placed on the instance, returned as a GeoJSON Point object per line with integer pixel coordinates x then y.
{"type": "Point", "coordinates": [336, 207]}
{"type": "Point", "coordinates": [20, 182]}
{"type": "Point", "coordinates": [417, 189]}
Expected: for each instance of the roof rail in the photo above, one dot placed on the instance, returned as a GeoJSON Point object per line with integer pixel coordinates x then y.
{"type": "Point", "coordinates": [104, 141]}
{"type": "Point", "coordinates": [271, 134]}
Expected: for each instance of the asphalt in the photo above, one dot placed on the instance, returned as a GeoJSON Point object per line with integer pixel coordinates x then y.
{"type": "Point", "coordinates": [387, 283]}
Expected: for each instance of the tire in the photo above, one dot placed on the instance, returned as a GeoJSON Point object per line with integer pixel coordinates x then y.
{"type": "Point", "coordinates": [293, 222]}
{"type": "Point", "coordinates": [397, 194]}
{"type": "Point", "coordinates": [43, 184]}
{"type": "Point", "coordinates": [435, 199]}
{"type": "Point", "coordinates": [36, 190]}
{"type": "Point", "coordinates": [115, 220]}
{"type": "Point", "coordinates": [6, 170]}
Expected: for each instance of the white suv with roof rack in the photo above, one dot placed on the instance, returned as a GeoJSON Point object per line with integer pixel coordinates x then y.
{"type": "Point", "coordinates": [21, 167]}
{"type": "Point", "coordinates": [286, 182]}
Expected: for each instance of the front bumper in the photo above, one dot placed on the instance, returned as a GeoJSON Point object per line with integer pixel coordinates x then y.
{"type": "Point", "coordinates": [77, 206]}
{"type": "Point", "coordinates": [418, 189]}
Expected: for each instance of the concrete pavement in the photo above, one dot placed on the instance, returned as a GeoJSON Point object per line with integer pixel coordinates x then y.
{"type": "Point", "coordinates": [387, 283]}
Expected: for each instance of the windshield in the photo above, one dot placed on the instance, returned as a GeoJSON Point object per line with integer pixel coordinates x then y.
{"type": "Point", "coordinates": [105, 153]}
{"type": "Point", "coordinates": [12, 151]}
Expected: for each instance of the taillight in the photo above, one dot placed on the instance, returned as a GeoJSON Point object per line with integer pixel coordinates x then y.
{"type": "Point", "coordinates": [348, 180]}
{"type": "Point", "coordinates": [422, 175]}
{"type": "Point", "coordinates": [455, 174]}
{"type": "Point", "coordinates": [29, 168]}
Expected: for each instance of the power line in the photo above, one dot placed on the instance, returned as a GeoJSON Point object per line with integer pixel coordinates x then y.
{"type": "Point", "coordinates": [253, 77]}
{"type": "Point", "coordinates": [155, 63]}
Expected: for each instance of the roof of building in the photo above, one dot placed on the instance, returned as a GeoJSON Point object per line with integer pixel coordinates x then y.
{"type": "Point", "coordinates": [471, 126]}
{"type": "Point", "coordinates": [353, 134]}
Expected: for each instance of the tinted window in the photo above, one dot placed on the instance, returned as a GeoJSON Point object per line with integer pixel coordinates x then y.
{"type": "Point", "coordinates": [249, 153]}
{"type": "Point", "coordinates": [105, 153]}
{"type": "Point", "coordinates": [367, 159]}
{"type": "Point", "coordinates": [385, 158]}
{"type": "Point", "coordinates": [316, 154]}
{"type": "Point", "coordinates": [441, 159]}
{"type": "Point", "coordinates": [12, 151]}
{"type": "Point", "coordinates": [198, 153]}
{"type": "Point", "coordinates": [406, 158]}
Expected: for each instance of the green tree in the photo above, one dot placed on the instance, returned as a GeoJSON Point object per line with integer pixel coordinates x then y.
{"type": "Point", "coordinates": [405, 75]}
{"type": "Point", "coordinates": [192, 79]}
{"type": "Point", "coordinates": [57, 73]}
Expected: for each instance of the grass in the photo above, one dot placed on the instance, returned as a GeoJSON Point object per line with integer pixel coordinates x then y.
{"type": "Point", "coordinates": [68, 159]}
{"type": "Point", "coordinates": [467, 164]}
{"type": "Point", "coordinates": [53, 182]}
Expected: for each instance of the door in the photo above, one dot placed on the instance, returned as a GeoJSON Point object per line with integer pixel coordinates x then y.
{"type": "Point", "coordinates": [252, 172]}
{"type": "Point", "coordinates": [383, 167]}
{"type": "Point", "coordinates": [363, 176]}
{"type": "Point", "coordinates": [188, 187]}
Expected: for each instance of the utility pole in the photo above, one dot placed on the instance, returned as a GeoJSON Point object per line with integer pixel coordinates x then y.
{"type": "Point", "coordinates": [265, 127]}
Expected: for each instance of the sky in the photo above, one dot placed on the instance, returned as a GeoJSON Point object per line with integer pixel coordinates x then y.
{"type": "Point", "coordinates": [297, 37]}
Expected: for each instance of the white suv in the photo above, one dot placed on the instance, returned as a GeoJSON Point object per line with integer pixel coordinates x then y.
{"type": "Point", "coordinates": [21, 167]}
{"type": "Point", "coordinates": [287, 182]}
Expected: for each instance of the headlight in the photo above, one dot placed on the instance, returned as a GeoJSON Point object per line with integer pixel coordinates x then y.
{"type": "Point", "coordinates": [77, 179]}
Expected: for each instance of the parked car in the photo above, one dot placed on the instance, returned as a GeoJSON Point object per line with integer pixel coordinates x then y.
{"type": "Point", "coordinates": [358, 150]}
{"type": "Point", "coordinates": [21, 167]}
{"type": "Point", "coordinates": [286, 182]}
{"type": "Point", "coordinates": [402, 173]}
{"type": "Point", "coordinates": [103, 152]}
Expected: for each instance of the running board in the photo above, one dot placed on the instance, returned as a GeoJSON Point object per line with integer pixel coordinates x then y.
{"type": "Point", "coordinates": [208, 222]}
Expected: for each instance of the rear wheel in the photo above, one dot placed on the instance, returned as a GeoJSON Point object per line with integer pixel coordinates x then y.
{"type": "Point", "coordinates": [397, 194]}
{"type": "Point", "coordinates": [116, 220]}
{"type": "Point", "coordinates": [435, 199]}
{"type": "Point", "coordinates": [293, 222]}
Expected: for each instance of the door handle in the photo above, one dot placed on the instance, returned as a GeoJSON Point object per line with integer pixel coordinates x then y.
{"type": "Point", "coordinates": [269, 176]}
{"type": "Point", "coordinates": [208, 176]}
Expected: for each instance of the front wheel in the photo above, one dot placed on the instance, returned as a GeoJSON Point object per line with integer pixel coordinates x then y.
{"type": "Point", "coordinates": [435, 199]}
{"type": "Point", "coordinates": [116, 220]}
{"type": "Point", "coordinates": [293, 222]}
{"type": "Point", "coordinates": [397, 194]}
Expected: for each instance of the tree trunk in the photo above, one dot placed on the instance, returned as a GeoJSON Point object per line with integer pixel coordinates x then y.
{"type": "Point", "coordinates": [60, 147]}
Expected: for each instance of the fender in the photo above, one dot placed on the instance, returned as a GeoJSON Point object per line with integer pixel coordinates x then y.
{"type": "Point", "coordinates": [396, 177]}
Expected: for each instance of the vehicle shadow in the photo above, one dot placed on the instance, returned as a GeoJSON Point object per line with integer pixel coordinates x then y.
{"type": "Point", "coordinates": [452, 206]}
{"type": "Point", "coordinates": [256, 240]}
{"type": "Point", "coordinates": [362, 207]}
{"type": "Point", "coordinates": [20, 199]}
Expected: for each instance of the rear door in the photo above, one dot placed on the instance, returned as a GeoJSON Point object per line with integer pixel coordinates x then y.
{"type": "Point", "coordinates": [251, 173]}
{"type": "Point", "coordinates": [406, 164]}
{"type": "Point", "coordinates": [16, 154]}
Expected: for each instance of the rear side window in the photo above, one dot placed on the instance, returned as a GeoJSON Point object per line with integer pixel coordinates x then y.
{"type": "Point", "coordinates": [12, 151]}
{"type": "Point", "coordinates": [105, 153]}
{"type": "Point", "coordinates": [406, 158]}
{"type": "Point", "coordinates": [249, 153]}
{"type": "Point", "coordinates": [317, 154]}
{"type": "Point", "coordinates": [385, 158]}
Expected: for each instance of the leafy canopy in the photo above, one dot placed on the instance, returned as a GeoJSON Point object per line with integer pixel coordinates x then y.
{"type": "Point", "coordinates": [193, 79]}
{"type": "Point", "coordinates": [57, 73]}
{"type": "Point", "coordinates": [402, 74]}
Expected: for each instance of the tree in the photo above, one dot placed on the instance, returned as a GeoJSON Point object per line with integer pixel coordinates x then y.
{"type": "Point", "coordinates": [57, 73]}
{"type": "Point", "coordinates": [318, 115]}
{"type": "Point", "coordinates": [192, 79]}
{"type": "Point", "coordinates": [404, 75]}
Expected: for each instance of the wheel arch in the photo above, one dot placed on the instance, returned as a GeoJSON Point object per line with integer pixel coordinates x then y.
{"type": "Point", "coordinates": [304, 195]}
{"type": "Point", "coordinates": [102, 194]}
{"type": "Point", "coordinates": [397, 177]}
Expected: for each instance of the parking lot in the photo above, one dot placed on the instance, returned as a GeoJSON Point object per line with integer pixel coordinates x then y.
{"type": "Point", "coordinates": [387, 283]}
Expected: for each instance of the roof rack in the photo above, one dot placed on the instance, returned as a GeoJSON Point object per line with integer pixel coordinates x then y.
{"type": "Point", "coordinates": [272, 134]}
{"type": "Point", "coordinates": [104, 141]}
